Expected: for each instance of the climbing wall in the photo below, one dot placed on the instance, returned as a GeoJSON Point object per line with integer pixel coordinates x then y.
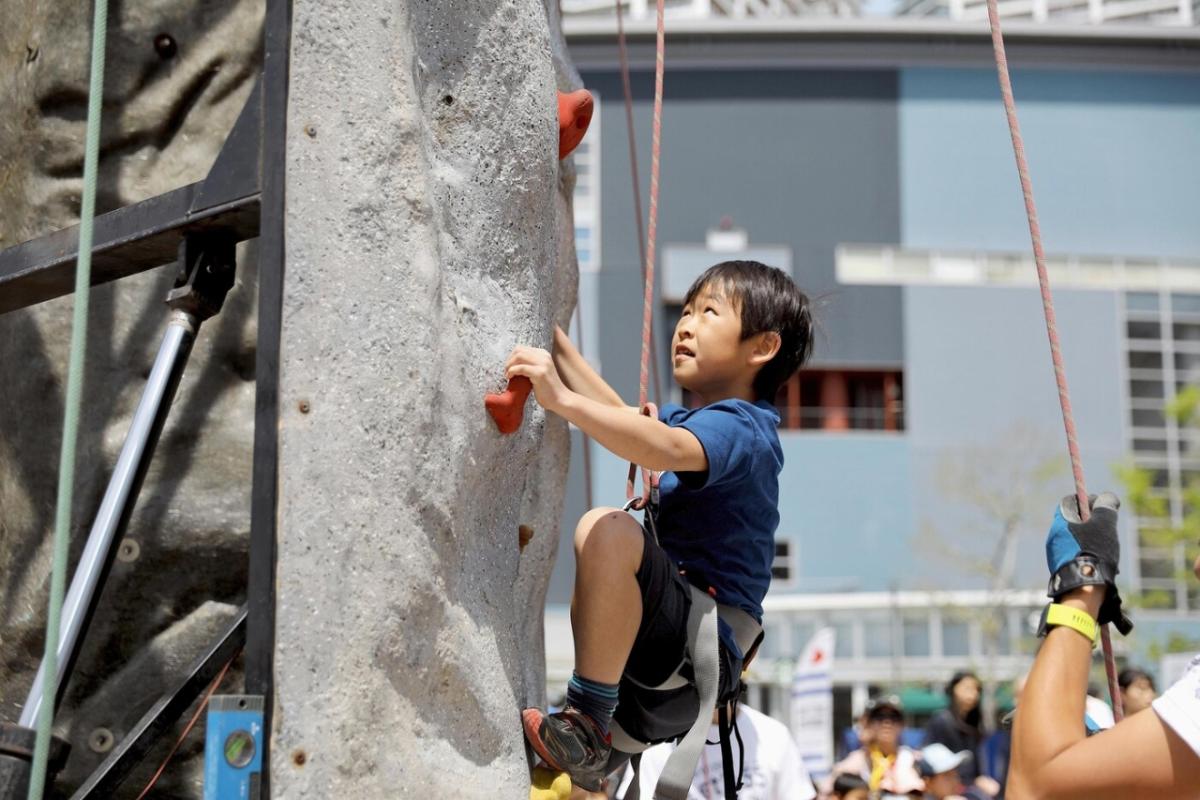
{"type": "Point", "coordinates": [428, 231]}
{"type": "Point", "coordinates": [178, 74]}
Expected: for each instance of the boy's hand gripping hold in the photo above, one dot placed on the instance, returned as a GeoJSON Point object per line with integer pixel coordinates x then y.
{"type": "Point", "coordinates": [537, 365]}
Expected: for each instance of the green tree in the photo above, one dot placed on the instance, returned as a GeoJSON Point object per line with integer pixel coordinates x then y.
{"type": "Point", "coordinates": [1158, 527]}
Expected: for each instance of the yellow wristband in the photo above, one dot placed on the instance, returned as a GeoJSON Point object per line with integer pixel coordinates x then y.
{"type": "Point", "coordinates": [1067, 617]}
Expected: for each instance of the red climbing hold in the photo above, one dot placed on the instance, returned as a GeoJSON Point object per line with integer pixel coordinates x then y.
{"type": "Point", "coordinates": [574, 116]}
{"type": "Point", "coordinates": [508, 407]}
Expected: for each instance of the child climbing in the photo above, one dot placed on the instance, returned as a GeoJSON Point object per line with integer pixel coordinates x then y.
{"type": "Point", "coordinates": [744, 330]}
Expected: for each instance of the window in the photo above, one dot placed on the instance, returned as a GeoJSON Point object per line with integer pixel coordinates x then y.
{"type": "Point", "coordinates": [956, 637]}
{"type": "Point", "coordinates": [916, 635]}
{"type": "Point", "coordinates": [840, 400]}
{"type": "Point", "coordinates": [586, 200]}
{"type": "Point", "coordinates": [1162, 350]}
{"type": "Point", "coordinates": [782, 568]}
{"type": "Point", "coordinates": [1142, 330]}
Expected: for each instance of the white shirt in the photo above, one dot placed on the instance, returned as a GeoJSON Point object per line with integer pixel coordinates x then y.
{"type": "Point", "coordinates": [1179, 706]}
{"type": "Point", "coordinates": [773, 771]}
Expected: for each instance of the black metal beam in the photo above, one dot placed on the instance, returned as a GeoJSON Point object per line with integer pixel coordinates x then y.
{"type": "Point", "coordinates": [113, 771]}
{"type": "Point", "coordinates": [260, 589]}
{"type": "Point", "coordinates": [129, 240]}
{"type": "Point", "coordinates": [146, 235]}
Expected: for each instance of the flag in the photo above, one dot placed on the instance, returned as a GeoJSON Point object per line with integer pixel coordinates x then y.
{"type": "Point", "coordinates": [812, 704]}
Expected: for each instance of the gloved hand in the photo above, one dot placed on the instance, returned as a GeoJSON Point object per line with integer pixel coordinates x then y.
{"type": "Point", "coordinates": [1087, 553]}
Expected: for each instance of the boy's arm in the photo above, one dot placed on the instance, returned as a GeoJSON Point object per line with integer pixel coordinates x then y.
{"type": "Point", "coordinates": [634, 437]}
{"type": "Point", "coordinates": [578, 374]}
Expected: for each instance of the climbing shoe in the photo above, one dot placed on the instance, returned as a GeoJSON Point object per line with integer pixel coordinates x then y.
{"type": "Point", "coordinates": [570, 741]}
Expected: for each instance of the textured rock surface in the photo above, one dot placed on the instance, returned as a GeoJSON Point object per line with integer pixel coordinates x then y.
{"type": "Point", "coordinates": [429, 230]}
{"type": "Point", "coordinates": [166, 113]}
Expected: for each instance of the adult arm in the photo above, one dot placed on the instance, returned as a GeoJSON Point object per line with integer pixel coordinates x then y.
{"type": "Point", "coordinates": [633, 437]}
{"type": "Point", "coordinates": [578, 374]}
{"type": "Point", "coordinates": [1052, 757]}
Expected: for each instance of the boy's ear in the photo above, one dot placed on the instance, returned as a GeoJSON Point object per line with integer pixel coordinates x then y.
{"type": "Point", "coordinates": [766, 345]}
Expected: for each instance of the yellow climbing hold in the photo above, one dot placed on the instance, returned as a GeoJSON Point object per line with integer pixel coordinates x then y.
{"type": "Point", "coordinates": [549, 785]}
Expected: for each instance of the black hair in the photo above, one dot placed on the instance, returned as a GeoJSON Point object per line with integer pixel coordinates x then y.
{"type": "Point", "coordinates": [768, 300]}
{"type": "Point", "coordinates": [847, 782]}
{"type": "Point", "coordinates": [973, 717]}
{"type": "Point", "coordinates": [1131, 675]}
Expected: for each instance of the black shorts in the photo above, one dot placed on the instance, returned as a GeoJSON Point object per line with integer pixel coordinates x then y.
{"type": "Point", "coordinates": [659, 649]}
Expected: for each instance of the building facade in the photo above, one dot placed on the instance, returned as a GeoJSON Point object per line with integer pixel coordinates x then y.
{"type": "Point", "coordinates": [924, 446]}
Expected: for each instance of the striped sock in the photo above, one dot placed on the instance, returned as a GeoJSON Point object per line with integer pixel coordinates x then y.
{"type": "Point", "coordinates": [597, 700]}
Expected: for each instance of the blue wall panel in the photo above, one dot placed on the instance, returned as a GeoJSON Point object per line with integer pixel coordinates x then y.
{"type": "Point", "coordinates": [1113, 158]}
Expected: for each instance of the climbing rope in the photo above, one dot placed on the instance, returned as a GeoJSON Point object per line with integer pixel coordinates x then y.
{"type": "Point", "coordinates": [649, 479]}
{"type": "Point", "coordinates": [1060, 373]}
{"type": "Point", "coordinates": [631, 137]}
{"type": "Point", "coordinates": [66, 465]}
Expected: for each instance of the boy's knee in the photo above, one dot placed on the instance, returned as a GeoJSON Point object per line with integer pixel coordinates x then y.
{"type": "Point", "coordinates": [611, 525]}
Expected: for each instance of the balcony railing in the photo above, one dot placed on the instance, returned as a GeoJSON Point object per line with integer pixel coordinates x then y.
{"type": "Point", "coordinates": [743, 14]}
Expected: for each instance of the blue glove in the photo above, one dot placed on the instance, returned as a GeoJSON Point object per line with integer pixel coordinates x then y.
{"type": "Point", "coordinates": [1087, 553]}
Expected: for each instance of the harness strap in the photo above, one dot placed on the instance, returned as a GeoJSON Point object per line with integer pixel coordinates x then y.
{"type": "Point", "coordinates": [676, 777]}
{"type": "Point", "coordinates": [634, 792]}
{"type": "Point", "coordinates": [723, 726]}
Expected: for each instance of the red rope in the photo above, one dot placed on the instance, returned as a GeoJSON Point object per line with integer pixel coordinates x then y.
{"type": "Point", "coordinates": [1060, 374]}
{"type": "Point", "coordinates": [188, 728]}
{"type": "Point", "coordinates": [634, 177]}
{"type": "Point", "coordinates": [652, 232]}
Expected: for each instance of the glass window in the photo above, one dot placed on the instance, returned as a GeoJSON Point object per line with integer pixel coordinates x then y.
{"type": "Point", "coordinates": [1186, 331]}
{"type": "Point", "coordinates": [1185, 303]}
{"type": "Point", "coordinates": [1137, 329]}
{"type": "Point", "coordinates": [1150, 445]}
{"type": "Point", "coordinates": [1187, 362]}
{"type": "Point", "coordinates": [840, 400]}
{"type": "Point", "coordinates": [877, 638]}
{"type": "Point", "coordinates": [1150, 389]}
{"type": "Point", "coordinates": [1145, 359]}
{"type": "Point", "coordinates": [916, 636]}
{"type": "Point", "coordinates": [843, 634]}
{"type": "Point", "coordinates": [781, 567]}
{"type": "Point", "coordinates": [1147, 418]}
{"type": "Point", "coordinates": [956, 637]}
{"type": "Point", "coordinates": [1141, 301]}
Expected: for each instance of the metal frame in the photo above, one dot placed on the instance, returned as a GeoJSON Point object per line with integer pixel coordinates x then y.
{"type": "Point", "coordinates": [241, 198]}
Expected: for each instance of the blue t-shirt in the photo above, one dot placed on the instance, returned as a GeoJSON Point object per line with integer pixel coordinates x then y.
{"type": "Point", "coordinates": [721, 523]}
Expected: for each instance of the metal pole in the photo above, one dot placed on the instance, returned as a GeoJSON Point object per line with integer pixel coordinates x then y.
{"type": "Point", "coordinates": [119, 499]}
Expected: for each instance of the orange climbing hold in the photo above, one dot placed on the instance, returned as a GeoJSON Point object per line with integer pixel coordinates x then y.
{"type": "Point", "coordinates": [574, 116]}
{"type": "Point", "coordinates": [508, 407]}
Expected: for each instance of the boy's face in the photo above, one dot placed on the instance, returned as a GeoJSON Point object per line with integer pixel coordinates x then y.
{"type": "Point", "coordinates": [707, 352]}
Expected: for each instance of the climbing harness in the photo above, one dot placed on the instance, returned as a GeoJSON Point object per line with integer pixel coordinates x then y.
{"type": "Point", "coordinates": [1060, 374]}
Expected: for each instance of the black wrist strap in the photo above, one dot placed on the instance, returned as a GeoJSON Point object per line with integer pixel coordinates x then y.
{"type": "Point", "coordinates": [1087, 570]}
{"type": "Point", "coordinates": [1083, 570]}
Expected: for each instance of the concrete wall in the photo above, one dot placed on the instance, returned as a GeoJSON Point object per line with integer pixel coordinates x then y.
{"type": "Point", "coordinates": [428, 232]}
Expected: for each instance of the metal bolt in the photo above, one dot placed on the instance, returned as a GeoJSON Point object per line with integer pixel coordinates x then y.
{"type": "Point", "coordinates": [164, 45]}
{"type": "Point", "coordinates": [299, 758]}
{"type": "Point", "coordinates": [311, 130]}
{"type": "Point", "coordinates": [101, 740]}
{"type": "Point", "coordinates": [304, 407]}
{"type": "Point", "coordinates": [129, 551]}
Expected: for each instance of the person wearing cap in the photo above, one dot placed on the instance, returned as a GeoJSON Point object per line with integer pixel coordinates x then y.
{"type": "Point", "coordinates": [887, 766]}
{"type": "Point", "coordinates": [939, 766]}
{"type": "Point", "coordinates": [1154, 753]}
